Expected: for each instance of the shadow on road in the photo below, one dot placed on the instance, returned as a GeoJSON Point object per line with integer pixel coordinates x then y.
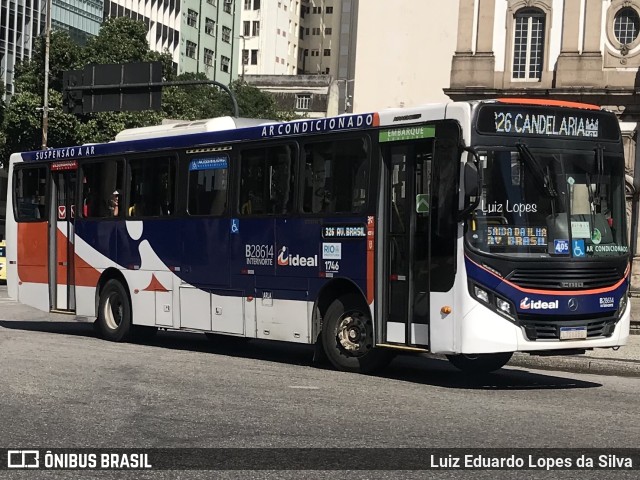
{"type": "Point", "coordinates": [418, 369]}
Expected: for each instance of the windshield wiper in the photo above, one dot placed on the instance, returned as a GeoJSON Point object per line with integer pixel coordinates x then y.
{"type": "Point", "coordinates": [599, 171]}
{"type": "Point", "coordinates": [542, 175]}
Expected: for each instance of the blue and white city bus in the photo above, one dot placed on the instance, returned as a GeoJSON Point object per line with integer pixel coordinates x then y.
{"type": "Point", "coordinates": [472, 229]}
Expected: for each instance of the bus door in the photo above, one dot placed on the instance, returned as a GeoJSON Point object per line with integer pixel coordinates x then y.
{"type": "Point", "coordinates": [407, 243]}
{"type": "Point", "coordinates": [61, 236]}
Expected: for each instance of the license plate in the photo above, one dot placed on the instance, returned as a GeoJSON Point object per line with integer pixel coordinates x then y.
{"type": "Point", "coordinates": [573, 333]}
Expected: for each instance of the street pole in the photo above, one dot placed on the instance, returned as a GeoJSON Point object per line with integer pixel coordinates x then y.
{"type": "Point", "coordinates": [242, 37]}
{"type": "Point", "coordinates": [45, 107]}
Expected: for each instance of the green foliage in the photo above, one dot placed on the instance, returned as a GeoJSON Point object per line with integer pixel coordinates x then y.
{"type": "Point", "coordinates": [120, 40]}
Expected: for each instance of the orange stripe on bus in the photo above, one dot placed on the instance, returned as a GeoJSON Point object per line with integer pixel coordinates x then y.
{"type": "Point", "coordinates": [556, 292]}
{"type": "Point", "coordinates": [86, 275]}
{"type": "Point", "coordinates": [547, 102]}
{"type": "Point", "coordinates": [33, 266]}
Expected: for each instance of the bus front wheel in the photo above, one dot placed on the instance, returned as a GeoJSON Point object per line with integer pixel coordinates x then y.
{"type": "Point", "coordinates": [347, 337]}
{"type": "Point", "coordinates": [480, 363]}
{"type": "Point", "coordinates": [114, 312]}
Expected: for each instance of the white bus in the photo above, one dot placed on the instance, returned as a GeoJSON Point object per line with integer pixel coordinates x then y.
{"type": "Point", "coordinates": [472, 229]}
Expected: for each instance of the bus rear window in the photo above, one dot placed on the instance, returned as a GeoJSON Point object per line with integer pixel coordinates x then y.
{"type": "Point", "coordinates": [336, 176]}
{"type": "Point", "coordinates": [29, 193]}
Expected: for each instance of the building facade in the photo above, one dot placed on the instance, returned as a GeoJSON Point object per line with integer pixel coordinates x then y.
{"type": "Point", "coordinates": [200, 35]}
{"type": "Point", "coordinates": [577, 50]}
{"type": "Point", "coordinates": [404, 53]}
{"type": "Point", "coordinates": [80, 18]}
{"type": "Point", "coordinates": [21, 21]}
{"type": "Point", "coordinates": [301, 37]}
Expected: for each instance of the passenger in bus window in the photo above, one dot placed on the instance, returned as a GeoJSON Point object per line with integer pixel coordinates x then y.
{"type": "Point", "coordinates": [114, 203]}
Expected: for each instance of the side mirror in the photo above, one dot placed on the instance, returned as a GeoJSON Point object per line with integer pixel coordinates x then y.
{"type": "Point", "coordinates": [472, 184]}
{"type": "Point", "coordinates": [471, 180]}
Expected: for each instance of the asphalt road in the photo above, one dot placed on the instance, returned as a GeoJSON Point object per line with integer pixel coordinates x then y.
{"type": "Point", "coordinates": [62, 387]}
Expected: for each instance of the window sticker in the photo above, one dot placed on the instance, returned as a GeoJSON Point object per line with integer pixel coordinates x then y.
{"type": "Point", "coordinates": [580, 230]}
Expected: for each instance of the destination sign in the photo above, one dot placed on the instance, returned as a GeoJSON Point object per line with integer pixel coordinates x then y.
{"type": "Point", "coordinates": [526, 120]}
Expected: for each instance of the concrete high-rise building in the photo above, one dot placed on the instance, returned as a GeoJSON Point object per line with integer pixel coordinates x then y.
{"type": "Point", "coordinates": [21, 21]}
{"type": "Point", "coordinates": [289, 37]}
{"type": "Point", "coordinates": [200, 35]}
{"type": "Point", "coordinates": [80, 18]}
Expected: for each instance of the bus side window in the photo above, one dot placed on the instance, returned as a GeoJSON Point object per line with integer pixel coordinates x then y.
{"type": "Point", "coordinates": [152, 187]}
{"type": "Point", "coordinates": [100, 182]}
{"type": "Point", "coordinates": [29, 193]}
{"type": "Point", "coordinates": [267, 180]}
{"type": "Point", "coordinates": [336, 176]}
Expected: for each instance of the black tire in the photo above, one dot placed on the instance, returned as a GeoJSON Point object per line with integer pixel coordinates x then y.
{"type": "Point", "coordinates": [114, 312]}
{"type": "Point", "coordinates": [347, 337]}
{"type": "Point", "coordinates": [480, 363]}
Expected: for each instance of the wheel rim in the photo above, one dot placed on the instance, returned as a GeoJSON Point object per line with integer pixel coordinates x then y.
{"type": "Point", "coordinates": [354, 334]}
{"type": "Point", "coordinates": [113, 311]}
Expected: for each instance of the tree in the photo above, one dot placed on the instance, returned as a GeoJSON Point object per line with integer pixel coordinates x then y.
{"type": "Point", "coordinates": [120, 40]}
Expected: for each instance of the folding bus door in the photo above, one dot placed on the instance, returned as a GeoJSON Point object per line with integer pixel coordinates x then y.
{"type": "Point", "coordinates": [61, 236]}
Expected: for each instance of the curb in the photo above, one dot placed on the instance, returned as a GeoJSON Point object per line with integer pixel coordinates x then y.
{"type": "Point", "coordinates": [582, 364]}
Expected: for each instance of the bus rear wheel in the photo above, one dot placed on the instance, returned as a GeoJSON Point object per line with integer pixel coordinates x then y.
{"type": "Point", "coordinates": [480, 363]}
{"type": "Point", "coordinates": [114, 312]}
{"type": "Point", "coordinates": [347, 337]}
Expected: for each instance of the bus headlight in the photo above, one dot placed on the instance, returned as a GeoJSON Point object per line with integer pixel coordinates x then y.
{"type": "Point", "coordinates": [481, 294]}
{"type": "Point", "coordinates": [623, 304]}
{"type": "Point", "coordinates": [503, 306]}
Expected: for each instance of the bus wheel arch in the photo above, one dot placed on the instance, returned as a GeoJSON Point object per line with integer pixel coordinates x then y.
{"type": "Point", "coordinates": [328, 293]}
{"type": "Point", "coordinates": [347, 332]}
{"type": "Point", "coordinates": [104, 325]}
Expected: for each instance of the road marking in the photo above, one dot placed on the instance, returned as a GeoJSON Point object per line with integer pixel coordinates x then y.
{"type": "Point", "coordinates": [304, 387]}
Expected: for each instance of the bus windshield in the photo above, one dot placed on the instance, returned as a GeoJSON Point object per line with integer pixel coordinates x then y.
{"type": "Point", "coordinates": [542, 203]}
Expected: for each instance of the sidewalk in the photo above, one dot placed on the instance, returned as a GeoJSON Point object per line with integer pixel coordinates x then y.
{"type": "Point", "coordinates": [624, 361]}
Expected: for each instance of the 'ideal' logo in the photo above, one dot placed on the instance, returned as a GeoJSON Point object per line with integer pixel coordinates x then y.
{"type": "Point", "coordinates": [286, 259]}
{"type": "Point", "coordinates": [527, 304]}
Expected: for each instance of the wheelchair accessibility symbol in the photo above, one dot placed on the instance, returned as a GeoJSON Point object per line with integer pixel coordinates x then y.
{"type": "Point", "coordinates": [577, 247]}
{"type": "Point", "coordinates": [235, 225]}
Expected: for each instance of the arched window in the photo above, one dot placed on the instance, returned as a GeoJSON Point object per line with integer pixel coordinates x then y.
{"type": "Point", "coordinates": [528, 45]}
{"type": "Point", "coordinates": [626, 25]}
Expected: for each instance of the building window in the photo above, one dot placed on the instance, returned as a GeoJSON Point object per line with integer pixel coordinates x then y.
{"type": "Point", "coordinates": [327, 52]}
{"type": "Point", "coordinates": [192, 18]}
{"type": "Point", "coordinates": [327, 31]}
{"type": "Point", "coordinates": [306, 52]}
{"type": "Point", "coordinates": [303, 102]}
{"type": "Point", "coordinates": [317, 9]}
{"type": "Point", "coordinates": [328, 10]}
{"type": "Point", "coordinates": [256, 28]}
{"type": "Point", "coordinates": [224, 63]}
{"type": "Point", "coordinates": [245, 57]}
{"type": "Point", "coordinates": [209, 27]}
{"type": "Point", "coordinates": [212, 2]}
{"type": "Point", "coordinates": [227, 6]}
{"type": "Point", "coordinates": [315, 52]}
{"type": "Point", "coordinates": [316, 31]}
{"type": "Point", "coordinates": [528, 45]}
{"type": "Point", "coordinates": [246, 28]}
{"type": "Point", "coordinates": [254, 57]}
{"type": "Point", "coordinates": [191, 49]}
{"type": "Point", "coordinates": [208, 57]}
{"type": "Point", "coordinates": [626, 25]}
{"type": "Point", "coordinates": [226, 34]}
{"type": "Point", "coordinates": [247, 4]}
{"type": "Point", "coordinates": [256, 4]}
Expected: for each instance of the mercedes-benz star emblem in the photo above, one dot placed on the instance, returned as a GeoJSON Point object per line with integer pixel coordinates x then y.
{"type": "Point", "coordinates": [572, 304]}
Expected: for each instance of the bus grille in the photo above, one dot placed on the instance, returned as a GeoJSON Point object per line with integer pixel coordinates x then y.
{"type": "Point", "coordinates": [565, 279]}
{"type": "Point", "coordinates": [537, 328]}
